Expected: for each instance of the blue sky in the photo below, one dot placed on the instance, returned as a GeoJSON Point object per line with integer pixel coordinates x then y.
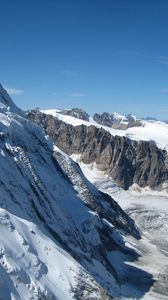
{"type": "Point", "coordinates": [99, 55]}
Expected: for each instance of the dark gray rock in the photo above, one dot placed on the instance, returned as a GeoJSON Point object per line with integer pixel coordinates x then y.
{"type": "Point", "coordinates": [105, 119]}
{"type": "Point", "coordinates": [96, 200]}
{"type": "Point", "coordinates": [76, 113]}
{"type": "Point", "coordinates": [126, 161]}
{"type": "Point", "coordinates": [113, 121]}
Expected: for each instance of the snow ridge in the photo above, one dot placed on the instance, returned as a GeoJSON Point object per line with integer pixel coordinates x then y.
{"type": "Point", "coordinates": [55, 243]}
{"type": "Point", "coordinates": [149, 130]}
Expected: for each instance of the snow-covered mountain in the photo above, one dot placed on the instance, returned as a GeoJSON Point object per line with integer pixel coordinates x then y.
{"type": "Point", "coordinates": [7, 105]}
{"type": "Point", "coordinates": [147, 129]}
{"type": "Point", "coordinates": [113, 120]}
{"type": "Point", "coordinates": [76, 113]}
{"type": "Point", "coordinates": [61, 238]}
{"type": "Point", "coordinates": [117, 121]}
{"type": "Point", "coordinates": [126, 158]}
{"type": "Point", "coordinates": [94, 146]}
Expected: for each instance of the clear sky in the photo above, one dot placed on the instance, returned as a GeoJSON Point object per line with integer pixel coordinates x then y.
{"type": "Point", "coordinates": [99, 55]}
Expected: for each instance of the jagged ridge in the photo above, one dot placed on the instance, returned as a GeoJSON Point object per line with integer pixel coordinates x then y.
{"type": "Point", "coordinates": [127, 161]}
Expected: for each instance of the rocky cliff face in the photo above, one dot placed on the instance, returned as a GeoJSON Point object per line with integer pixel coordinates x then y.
{"type": "Point", "coordinates": [76, 113]}
{"type": "Point", "coordinates": [117, 121]}
{"type": "Point", "coordinates": [127, 161]}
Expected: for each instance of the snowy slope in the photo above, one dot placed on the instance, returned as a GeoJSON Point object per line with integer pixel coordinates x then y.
{"type": "Point", "coordinates": [60, 237]}
{"type": "Point", "coordinates": [151, 130]}
{"type": "Point", "coordinates": [6, 103]}
{"type": "Point", "coordinates": [150, 211]}
{"type": "Point", "coordinates": [26, 260]}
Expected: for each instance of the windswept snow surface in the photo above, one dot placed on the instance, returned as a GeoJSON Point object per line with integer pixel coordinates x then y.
{"type": "Point", "coordinates": [40, 215]}
{"type": "Point", "coordinates": [151, 130]}
{"type": "Point", "coordinates": [27, 257]}
{"type": "Point", "coordinates": [149, 209]}
{"type": "Point", "coordinates": [53, 244]}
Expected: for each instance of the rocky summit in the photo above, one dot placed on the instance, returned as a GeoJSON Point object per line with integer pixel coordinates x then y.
{"type": "Point", "coordinates": [117, 121]}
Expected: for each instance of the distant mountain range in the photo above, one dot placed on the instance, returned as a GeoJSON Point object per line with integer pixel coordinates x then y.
{"type": "Point", "coordinates": [113, 120]}
{"type": "Point", "coordinates": [131, 154]}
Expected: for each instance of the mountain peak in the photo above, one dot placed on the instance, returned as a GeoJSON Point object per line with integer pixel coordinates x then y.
{"type": "Point", "coordinates": [6, 103]}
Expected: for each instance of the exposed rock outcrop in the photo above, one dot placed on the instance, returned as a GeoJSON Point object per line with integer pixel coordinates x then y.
{"type": "Point", "coordinates": [126, 161]}
{"type": "Point", "coordinates": [117, 121]}
{"type": "Point", "coordinates": [76, 113]}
